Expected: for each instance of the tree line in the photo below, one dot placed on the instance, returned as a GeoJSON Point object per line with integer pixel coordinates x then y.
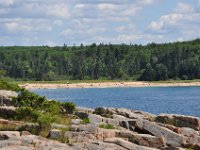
{"type": "Point", "coordinates": [151, 62]}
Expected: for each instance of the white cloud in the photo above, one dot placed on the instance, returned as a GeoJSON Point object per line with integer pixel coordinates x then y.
{"type": "Point", "coordinates": [66, 32]}
{"type": "Point", "coordinates": [58, 10]}
{"type": "Point", "coordinates": [25, 26]}
{"type": "Point", "coordinates": [58, 22]}
{"type": "Point", "coordinates": [182, 23]}
{"type": "Point", "coordinates": [3, 11]}
{"type": "Point", "coordinates": [79, 6]}
{"type": "Point", "coordinates": [6, 2]}
{"type": "Point", "coordinates": [167, 20]}
{"type": "Point", "coordinates": [146, 2]}
{"type": "Point", "coordinates": [88, 21]}
{"type": "Point", "coordinates": [184, 8]}
{"type": "Point", "coordinates": [106, 7]}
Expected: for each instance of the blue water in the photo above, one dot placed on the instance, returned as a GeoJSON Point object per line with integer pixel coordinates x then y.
{"type": "Point", "coordinates": [156, 100]}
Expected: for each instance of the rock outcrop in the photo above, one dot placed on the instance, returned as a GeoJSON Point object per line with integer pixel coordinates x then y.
{"type": "Point", "coordinates": [5, 97]}
{"type": "Point", "coordinates": [111, 129]}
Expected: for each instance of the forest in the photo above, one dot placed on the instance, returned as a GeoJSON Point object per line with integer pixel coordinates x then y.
{"type": "Point", "coordinates": [151, 62]}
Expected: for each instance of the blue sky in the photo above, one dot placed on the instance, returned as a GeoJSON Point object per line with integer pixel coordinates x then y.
{"type": "Point", "coordinates": [55, 22]}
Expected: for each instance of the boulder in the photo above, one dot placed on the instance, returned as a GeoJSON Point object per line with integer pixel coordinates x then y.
{"type": "Point", "coordinates": [55, 125]}
{"type": "Point", "coordinates": [91, 128]}
{"type": "Point", "coordinates": [171, 137]}
{"type": "Point", "coordinates": [143, 139]}
{"type": "Point", "coordinates": [83, 112]}
{"type": "Point", "coordinates": [55, 134]}
{"type": "Point", "coordinates": [95, 145]}
{"type": "Point", "coordinates": [76, 121]}
{"type": "Point", "coordinates": [78, 137]}
{"type": "Point", "coordinates": [116, 121]}
{"type": "Point", "coordinates": [25, 133]}
{"type": "Point", "coordinates": [5, 97]}
{"type": "Point", "coordinates": [126, 144]}
{"type": "Point", "coordinates": [41, 143]}
{"type": "Point", "coordinates": [103, 134]}
{"type": "Point", "coordinates": [96, 119]}
{"type": "Point", "coordinates": [179, 120]}
{"type": "Point", "coordinates": [4, 135]}
{"type": "Point", "coordinates": [133, 114]}
{"type": "Point", "coordinates": [105, 112]}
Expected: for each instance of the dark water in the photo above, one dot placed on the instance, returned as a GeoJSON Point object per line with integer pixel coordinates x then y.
{"type": "Point", "coordinates": [177, 100]}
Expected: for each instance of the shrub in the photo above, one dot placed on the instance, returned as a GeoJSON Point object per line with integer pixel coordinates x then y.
{"type": "Point", "coordinates": [27, 114]}
{"type": "Point", "coordinates": [51, 106]}
{"type": "Point", "coordinates": [33, 128]}
{"type": "Point", "coordinates": [45, 121]}
{"type": "Point", "coordinates": [106, 126]}
{"type": "Point", "coordinates": [68, 107]}
{"type": "Point", "coordinates": [28, 99]}
{"type": "Point", "coordinates": [8, 86]}
{"type": "Point", "coordinates": [86, 121]}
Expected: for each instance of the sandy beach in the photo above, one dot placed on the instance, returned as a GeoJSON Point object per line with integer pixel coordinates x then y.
{"type": "Point", "coordinates": [104, 85]}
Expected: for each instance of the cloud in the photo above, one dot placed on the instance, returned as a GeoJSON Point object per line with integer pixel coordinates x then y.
{"type": "Point", "coordinates": [6, 2]}
{"type": "Point", "coordinates": [56, 22]}
{"type": "Point", "coordinates": [25, 26]}
{"type": "Point", "coordinates": [58, 10]}
{"type": "Point", "coordinates": [184, 8]}
{"type": "Point", "coordinates": [182, 23]}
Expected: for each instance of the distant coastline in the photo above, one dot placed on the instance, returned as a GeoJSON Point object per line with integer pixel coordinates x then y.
{"type": "Point", "coordinates": [106, 85]}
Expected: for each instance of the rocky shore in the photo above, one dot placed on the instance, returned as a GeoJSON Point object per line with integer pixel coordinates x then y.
{"type": "Point", "coordinates": [105, 129]}
{"type": "Point", "coordinates": [131, 130]}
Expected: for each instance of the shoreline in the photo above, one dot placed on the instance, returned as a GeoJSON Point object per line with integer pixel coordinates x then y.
{"type": "Point", "coordinates": [106, 85]}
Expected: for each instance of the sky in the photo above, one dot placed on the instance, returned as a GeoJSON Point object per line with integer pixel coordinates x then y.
{"type": "Point", "coordinates": [55, 22]}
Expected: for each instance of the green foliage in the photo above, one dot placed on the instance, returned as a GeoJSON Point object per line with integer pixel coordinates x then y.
{"type": "Point", "coordinates": [106, 126]}
{"type": "Point", "coordinates": [45, 121]}
{"type": "Point", "coordinates": [8, 86]}
{"type": "Point", "coordinates": [68, 107]}
{"type": "Point", "coordinates": [107, 61]}
{"type": "Point", "coordinates": [29, 99]}
{"type": "Point", "coordinates": [27, 114]}
{"type": "Point", "coordinates": [86, 121]}
{"type": "Point", "coordinates": [2, 73]}
{"type": "Point", "coordinates": [51, 106]}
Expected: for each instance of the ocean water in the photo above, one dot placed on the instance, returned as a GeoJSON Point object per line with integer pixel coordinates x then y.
{"type": "Point", "coordinates": [156, 100]}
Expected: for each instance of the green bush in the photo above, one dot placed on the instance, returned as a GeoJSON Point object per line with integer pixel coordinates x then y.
{"type": "Point", "coordinates": [86, 121]}
{"type": "Point", "coordinates": [27, 114]}
{"type": "Point", "coordinates": [8, 86]}
{"type": "Point", "coordinates": [28, 99]}
{"type": "Point", "coordinates": [68, 107]}
{"type": "Point", "coordinates": [106, 126]}
{"type": "Point", "coordinates": [51, 106]}
{"type": "Point", "coordinates": [45, 121]}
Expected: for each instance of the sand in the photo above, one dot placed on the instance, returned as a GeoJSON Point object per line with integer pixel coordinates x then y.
{"type": "Point", "coordinates": [104, 85]}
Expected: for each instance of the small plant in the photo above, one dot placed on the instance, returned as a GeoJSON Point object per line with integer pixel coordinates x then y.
{"type": "Point", "coordinates": [51, 106]}
{"type": "Point", "coordinates": [45, 121]}
{"type": "Point", "coordinates": [85, 121]}
{"type": "Point", "coordinates": [68, 107]}
{"type": "Point", "coordinates": [106, 126]}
